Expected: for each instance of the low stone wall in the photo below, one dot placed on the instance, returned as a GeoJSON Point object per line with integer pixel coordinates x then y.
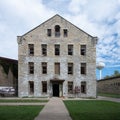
{"type": "Point", "coordinates": [109, 85]}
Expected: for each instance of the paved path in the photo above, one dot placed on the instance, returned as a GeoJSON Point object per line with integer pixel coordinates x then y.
{"type": "Point", "coordinates": [15, 104]}
{"type": "Point", "coordinates": [54, 110]}
{"type": "Point", "coordinates": [108, 98]}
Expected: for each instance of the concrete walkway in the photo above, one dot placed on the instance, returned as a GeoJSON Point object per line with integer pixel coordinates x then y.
{"type": "Point", "coordinates": [108, 98]}
{"type": "Point", "coordinates": [54, 110]}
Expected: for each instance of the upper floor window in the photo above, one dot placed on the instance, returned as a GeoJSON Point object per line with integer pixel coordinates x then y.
{"type": "Point", "coordinates": [44, 68]}
{"type": "Point", "coordinates": [83, 50]}
{"type": "Point", "coordinates": [83, 68]}
{"type": "Point", "coordinates": [57, 31]}
{"type": "Point", "coordinates": [57, 49]}
{"type": "Point", "coordinates": [57, 68]}
{"type": "Point", "coordinates": [70, 49]}
{"type": "Point", "coordinates": [44, 49]}
{"type": "Point", "coordinates": [49, 32]}
{"type": "Point", "coordinates": [31, 49]}
{"type": "Point", "coordinates": [31, 68]}
{"type": "Point", "coordinates": [70, 68]}
{"type": "Point", "coordinates": [65, 32]}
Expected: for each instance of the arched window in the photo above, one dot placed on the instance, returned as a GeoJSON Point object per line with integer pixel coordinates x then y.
{"type": "Point", "coordinates": [57, 31]}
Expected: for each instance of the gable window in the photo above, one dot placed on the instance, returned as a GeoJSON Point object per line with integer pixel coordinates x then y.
{"type": "Point", "coordinates": [83, 87]}
{"type": "Point", "coordinates": [83, 50]}
{"type": "Point", "coordinates": [31, 49]}
{"type": "Point", "coordinates": [31, 68]}
{"type": "Point", "coordinates": [44, 49]}
{"type": "Point", "coordinates": [57, 31]}
{"type": "Point", "coordinates": [70, 68]}
{"type": "Point", "coordinates": [44, 86]}
{"type": "Point", "coordinates": [57, 68]}
{"type": "Point", "coordinates": [57, 49]}
{"type": "Point", "coordinates": [70, 87]}
{"type": "Point", "coordinates": [44, 68]}
{"type": "Point", "coordinates": [70, 49]}
{"type": "Point", "coordinates": [65, 32]}
{"type": "Point", "coordinates": [83, 68]}
{"type": "Point", "coordinates": [49, 32]}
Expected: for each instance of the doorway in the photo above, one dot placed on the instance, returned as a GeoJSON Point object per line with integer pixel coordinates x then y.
{"type": "Point", "coordinates": [56, 90]}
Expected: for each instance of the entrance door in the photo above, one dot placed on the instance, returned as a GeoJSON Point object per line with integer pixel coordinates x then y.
{"type": "Point", "coordinates": [56, 90]}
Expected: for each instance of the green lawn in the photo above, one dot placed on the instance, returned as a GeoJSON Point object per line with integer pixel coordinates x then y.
{"type": "Point", "coordinates": [93, 110]}
{"type": "Point", "coordinates": [22, 100]}
{"type": "Point", "coordinates": [19, 112]}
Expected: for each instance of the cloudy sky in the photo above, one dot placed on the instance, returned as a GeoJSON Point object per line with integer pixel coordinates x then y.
{"type": "Point", "coordinates": [97, 17]}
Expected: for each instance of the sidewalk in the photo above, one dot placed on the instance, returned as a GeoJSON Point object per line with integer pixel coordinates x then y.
{"type": "Point", "coordinates": [54, 110]}
{"type": "Point", "coordinates": [108, 98]}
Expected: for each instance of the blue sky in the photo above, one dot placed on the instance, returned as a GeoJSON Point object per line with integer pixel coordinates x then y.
{"type": "Point", "coordinates": [98, 18]}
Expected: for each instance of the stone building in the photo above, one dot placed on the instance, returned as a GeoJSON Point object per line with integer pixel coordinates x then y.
{"type": "Point", "coordinates": [9, 73]}
{"type": "Point", "coordinates": [57, 59]}
{"type": "Point", "coordinates": [109, 85]}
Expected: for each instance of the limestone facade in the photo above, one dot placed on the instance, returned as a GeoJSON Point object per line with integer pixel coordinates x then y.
{"type": "Point", "coordinates": [57, 72]}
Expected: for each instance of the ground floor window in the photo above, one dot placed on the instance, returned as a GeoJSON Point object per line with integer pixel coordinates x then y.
{"type": "Point", "coordinates": [83, 87]}
{"type": "Point", "coordinates": [44, 86]}
{"type": "Point", "coordinates": [70, 87]}
{"type": "Point", "coordinates": [31, 87]}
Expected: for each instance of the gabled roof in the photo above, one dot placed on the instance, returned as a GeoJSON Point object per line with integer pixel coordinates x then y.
{"type": "Point", "coordinates": [52, 18]}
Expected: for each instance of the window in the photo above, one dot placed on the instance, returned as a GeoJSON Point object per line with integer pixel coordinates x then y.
{"type": "Point", "coordinates": [70, 68]}
{"type": "Point", "coordinates": [57, 68]}
{"type": "Point", "coordinates": [83, 87]}
{"type": "Point", "coordinates": [83, 49]}
{"type": "Point", "coordinates": [70, 87]}
{"type": "Point", "coordinates": [65, 32]}
{"type": "Point", "coordinates": [44, 68]}
{"type": "Point", "coordinates": [83, 68]}
{"type": "Point", "coordinates": [31, 49]}
{"type": "Point", "coordinates": [44, 49]}
{"type": "Point", "coordinates": [57, 49]}
{"type": "Point", "coordinates": [31, 68]}
{"type": "Point", "coordinates": [57, 31]}
{"type": "Point", "coordinates": [44, 86]}
{"type": "Point", "coordinates": [31, 87]}
{"type": "Point", "coordinates": [70, 49]}
{"type": "Point", "coordinates": [49, 32]}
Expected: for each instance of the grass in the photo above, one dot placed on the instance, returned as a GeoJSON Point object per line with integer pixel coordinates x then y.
{"type": "Point", "coordinates": [109, 95]}
{"type": "Point", "coordinates": [93, 110]}
{"type": "Point", "coordinates": [19, 112]}
{"type": "Point", "coordinates": [21, 101]}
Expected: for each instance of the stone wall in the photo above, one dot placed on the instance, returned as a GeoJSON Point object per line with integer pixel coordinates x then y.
{"type": "Point", "coordinates": [110, 85]}
{"type": "Point", "coordinates": [8, 76]}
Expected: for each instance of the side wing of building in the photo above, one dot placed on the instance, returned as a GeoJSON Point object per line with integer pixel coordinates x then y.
{"type": "Point", "coordinates": [57, 59]}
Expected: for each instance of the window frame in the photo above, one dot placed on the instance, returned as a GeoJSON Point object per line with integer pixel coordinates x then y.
{"type": "Point", "coordinates": [57, 49]}
{"type": "Point", "coordinates": [31, 67]}
{"type": "Point", "coordinates": [70, 68]}
{"type": "Point", "coordinates": [70, 49]}
{"type": "Point", "coordinates": [44, 49]}
{"type": "Point", "coordinates": [70, 87]}
{"type": "Point", "coordinates": [31, 49]}
{"type": "Point", "coordinates": [49, 32]}
{"type": "Point", "coordinates": [44, 67]}
{"type": "Point", "coordinates": [83, 68]}
{"type": "Point", "coordinates": [83, 50]}
{"type": "Point", "coordinates": [44, 86]}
